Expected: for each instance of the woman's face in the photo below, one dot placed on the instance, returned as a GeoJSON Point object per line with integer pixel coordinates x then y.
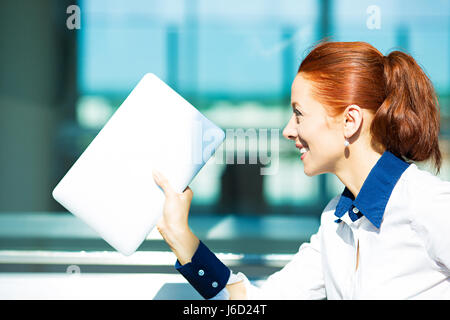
{"type": "Point", "coordinates": [312, 128]}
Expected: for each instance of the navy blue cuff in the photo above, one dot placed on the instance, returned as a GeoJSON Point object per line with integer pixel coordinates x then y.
{"type": "Point", "coordinates": [206, 273]}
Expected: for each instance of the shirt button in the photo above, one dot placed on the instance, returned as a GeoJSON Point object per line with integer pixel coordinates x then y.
{"type": "Point", "coordinates": [201, 272]}
{"type": "Point", "coordinates": [355, 210]}
{"type": "Point", "coordinates": [214, 284]}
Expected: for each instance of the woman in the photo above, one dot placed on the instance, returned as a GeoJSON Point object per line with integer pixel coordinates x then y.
{"type": "Point", "coordinates": [364, 117]}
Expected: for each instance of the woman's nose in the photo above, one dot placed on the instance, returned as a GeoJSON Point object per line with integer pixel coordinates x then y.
{"type": "Point", "coordinates": [290, 132]}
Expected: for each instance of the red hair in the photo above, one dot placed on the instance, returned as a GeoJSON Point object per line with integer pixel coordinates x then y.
{"type": "Point", "coordinates": [394, 88]}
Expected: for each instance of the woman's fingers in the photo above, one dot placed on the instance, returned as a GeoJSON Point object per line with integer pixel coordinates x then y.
{"type": "Point", "coordinates": [162, 181]}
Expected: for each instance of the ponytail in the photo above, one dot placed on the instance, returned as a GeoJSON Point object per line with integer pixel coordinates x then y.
{"type": "Point", "coordinates": [408, 121]}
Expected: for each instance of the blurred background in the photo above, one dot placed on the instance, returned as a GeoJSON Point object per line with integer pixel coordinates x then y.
{"type": "Point", "coordinates": [66, 66]}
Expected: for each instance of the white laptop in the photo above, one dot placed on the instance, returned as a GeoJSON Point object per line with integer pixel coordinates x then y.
{"type": "Point", "coordinates": [111, 188]}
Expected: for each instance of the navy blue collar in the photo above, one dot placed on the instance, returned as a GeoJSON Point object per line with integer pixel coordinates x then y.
{"type": "Point", "coordinates": [375, 191]}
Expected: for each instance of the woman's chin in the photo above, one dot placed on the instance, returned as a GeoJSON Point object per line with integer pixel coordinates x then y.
{"type": "Point", "coordinates": [309, 173]}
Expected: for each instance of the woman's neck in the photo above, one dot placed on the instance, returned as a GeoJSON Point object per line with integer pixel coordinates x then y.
{"type": "Point", "coordinates": [356, 165]}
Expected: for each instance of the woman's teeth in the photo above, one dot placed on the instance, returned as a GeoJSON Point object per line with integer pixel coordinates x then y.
{"type": "Point", "coordinates": [303, 150]}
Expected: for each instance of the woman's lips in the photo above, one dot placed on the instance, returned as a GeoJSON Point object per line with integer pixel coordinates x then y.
{"type": "Point", "coordinates": [303, 155]}
{"type": "Point", "coordinates": [302, 149]}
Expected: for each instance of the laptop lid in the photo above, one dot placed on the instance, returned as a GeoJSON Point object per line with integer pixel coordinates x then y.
{"type": "Point", "coordinates": [110, 187]}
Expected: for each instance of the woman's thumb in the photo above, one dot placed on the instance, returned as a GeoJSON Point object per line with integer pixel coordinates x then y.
{"type": "Point", "coordinates": [188, 193]}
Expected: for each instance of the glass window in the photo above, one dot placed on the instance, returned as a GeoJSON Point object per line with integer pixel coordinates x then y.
{"type": "Point", "coordinates": [233, 60]}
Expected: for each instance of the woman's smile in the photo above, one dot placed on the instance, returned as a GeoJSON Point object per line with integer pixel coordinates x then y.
{"type": "Point", "coordinates": [303, 149]}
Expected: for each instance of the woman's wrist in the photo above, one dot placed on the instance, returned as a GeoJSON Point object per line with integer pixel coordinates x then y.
{"type": "Point", "coordinates": [182, 241]}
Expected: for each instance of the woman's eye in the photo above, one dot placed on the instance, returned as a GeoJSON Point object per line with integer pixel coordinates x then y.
{"type": "Point", "coordinates": [297, 113]}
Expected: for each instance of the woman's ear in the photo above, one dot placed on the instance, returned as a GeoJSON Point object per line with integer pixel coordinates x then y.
{"type": "Point", "coordinates": [353, 118]}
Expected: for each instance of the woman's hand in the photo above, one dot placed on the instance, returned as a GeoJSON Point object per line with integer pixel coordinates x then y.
{"type": "Point", "coordinates": [173, 224]}
{"type": "Point", "coordinates": [176, 206]}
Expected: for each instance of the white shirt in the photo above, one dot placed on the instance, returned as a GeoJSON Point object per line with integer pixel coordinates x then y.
{"type": "Point", "coordinates": [402, 225]}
